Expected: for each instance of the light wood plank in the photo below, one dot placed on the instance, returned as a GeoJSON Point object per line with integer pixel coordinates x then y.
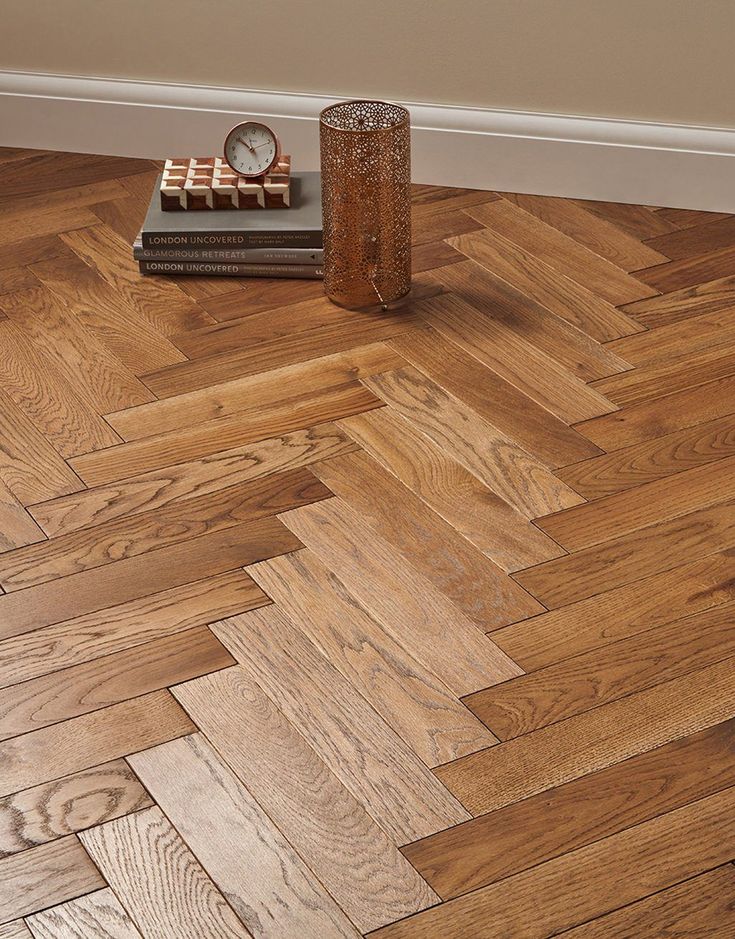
{"type": "Point", "coordinates": [678, 305]}
{"type": "Point", "coordinates": [344, 847]}
{"type": "Point", "coordinates": [97, 915]}
{"type": "Point", "coordinates": [17, 527]}
{"type": "Point", "coordinates": [408, 697]}
{"type": "Point", "coordinates": [54, 809]}
{"type": "Point", "coordinates": [160, 882]}
{"type": "Point", "coordinates": [266, 883]}
{"type": "Point", "coordinates": [15, 930]}
{"type": "Point", "coordinates": [416, 614]}
{"type": "Point", "coordinates": [29, 224]}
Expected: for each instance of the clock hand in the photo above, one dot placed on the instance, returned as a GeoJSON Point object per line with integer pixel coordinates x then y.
{"type": "Point", "coordinates": [248, 145]}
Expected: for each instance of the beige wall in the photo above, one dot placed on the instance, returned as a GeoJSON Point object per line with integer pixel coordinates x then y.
{"type": "Point", "coordinates": [658, 60]}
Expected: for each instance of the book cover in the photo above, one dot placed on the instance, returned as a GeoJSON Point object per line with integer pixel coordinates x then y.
{"type": "Point", "coordinates": [299, 226]}
{"type": "Point", "coordinates": [229, 255]}
{"type": "Point", "coordinates": [216, 269]}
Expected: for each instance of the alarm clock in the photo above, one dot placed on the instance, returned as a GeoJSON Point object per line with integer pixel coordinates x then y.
{"type": "Point", "coordinates": [252, 149]}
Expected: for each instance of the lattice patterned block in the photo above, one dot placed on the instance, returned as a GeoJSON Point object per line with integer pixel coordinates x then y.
{"type": "Point", "coordinates": [200, 183]}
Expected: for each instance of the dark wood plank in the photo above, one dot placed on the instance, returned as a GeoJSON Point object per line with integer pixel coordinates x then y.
{"type": "Point", "coordinates": [696, 240]}
{"type": "Point", "coordinates": [709, 297]}
{"type": "Point", "coordinates": [255, 294]}
{"type": "Point", "coordinates": [45, 172]}
{"type": "Point", "coordinates": [678, 341]}
{"type": "Point", "coordinates": [688, 218]}
{"type": "Point", "coordinates": [638, 220]}
{"type": "Point", "coordinates": [31, 251]}
{"type": "Point", "coordinates": [690, 271]}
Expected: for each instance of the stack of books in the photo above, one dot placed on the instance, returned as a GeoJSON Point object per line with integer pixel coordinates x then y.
{"type": "Point", "coordinates": [263, 242]}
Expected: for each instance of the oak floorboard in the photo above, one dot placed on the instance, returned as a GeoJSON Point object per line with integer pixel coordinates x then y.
{"type": "Point", "coordinates": [127, 625]}
{"type": "Point", "coordinates": [521, 480]}
{"type": "Point", "coordinates": [590, 230]}
{"type": "Point", "coordinates": [75, 197]}
{"type": "Point", "coordinates": [590, 741]}
{"type": "Point", "coordinates": [640, 221]}
{"type": "Point", "coordinates": [441, 225]}
{"type": "Point", "coordinates": [712, 296]}
{"type": "Point", "coordinates": [256, 294]}
{"type": "Point", "coordinates": [159, 881]}
{"type": "Point", "coordinates": [469, 578]}
{"type": "Point", "coordinates": [341, 843]}
{"type": "Point", "coordinates": [97, 914]}
{"type": "Point", "coordinates": [501, 404]}
{"type": "Point", "coordinates": [688, 218]}
{"type": "Point", "coordinates": [82, 689]}
{"type": "Point", "coordinates": [265, 881]}
{"type": "Point", "coordinates": [223, 433]}
{"type": "Point", "coordinates": [31, 224]}
{"type": "Point", "coordinates": [159, 488]}
{"type": "Point", "coordinates": [689, 272]}
{"type": "Point", "coordinates": [409, 698]}
{"type": "Point", "coordinates": [15, 930]}
{"type": "Point", "coordinates": [692, 589]}
{"type": "Point", "coordinates": [42, 171]}
{"type": "Point", "coordinates": [588, 882]}
{"type": "Point", "coordinates": [169, 525]}
{"type": "Point", "coordinates": [478, 513]}
{"type": "Point", "coordinates": [560, 251]}
{"type": "Point", "coordinates": [137, 577]}
{"type": "Point", "coordinates": [491, 847]}
{"type": "Point", "coordinates": [17, 527]}
{"type": "Point", "coordinates": [418, 616]}
{"type": "Point", "coordinates": [13, 279]}
{"type": "Point", "coordinates": [32, 250]}
{"type": "Point", "coordinates": [433, 255]}
{"type": "Point", "coordinates": [696, 240]}
{"type": "Point", "coordinates": [701, 907]}
{"type": "Point", "coordinates": [44, 876]}
{"type": "Point", "coordinates": [68, 805]}
{"type": "Point", "coordinates": [90, 740]}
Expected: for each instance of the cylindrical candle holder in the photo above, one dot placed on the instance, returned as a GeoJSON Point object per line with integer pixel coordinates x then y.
{"type": "Point", "coordinates": [366, 202]}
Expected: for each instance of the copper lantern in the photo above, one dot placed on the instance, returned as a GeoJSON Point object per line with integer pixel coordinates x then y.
{"type": "Point", "coordinates": [366, 201]}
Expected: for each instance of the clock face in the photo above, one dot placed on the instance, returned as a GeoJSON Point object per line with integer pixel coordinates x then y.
{"type": "Point", "coordinates": [251, 149]}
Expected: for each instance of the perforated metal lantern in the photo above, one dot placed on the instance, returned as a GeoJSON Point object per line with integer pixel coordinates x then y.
{"type": "Point", "coordinates": [366, 202]}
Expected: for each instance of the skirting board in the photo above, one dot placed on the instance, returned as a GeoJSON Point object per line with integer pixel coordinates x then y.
{"type": "Point", "coordinates": [582, 157]}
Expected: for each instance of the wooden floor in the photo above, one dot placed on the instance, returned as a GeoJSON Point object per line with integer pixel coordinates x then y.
{"type": "Point", "coordinates": [318, 624]}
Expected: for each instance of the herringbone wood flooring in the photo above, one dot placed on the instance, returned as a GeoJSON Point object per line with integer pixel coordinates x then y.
{"type": "Point", "coordinates": [317, 624]}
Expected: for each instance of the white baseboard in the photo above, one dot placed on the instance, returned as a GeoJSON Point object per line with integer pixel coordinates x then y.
{"type": "Point", "coordinates": [587, 158]}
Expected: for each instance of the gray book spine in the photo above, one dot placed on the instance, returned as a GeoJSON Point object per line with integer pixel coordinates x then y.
{"type": "Point", "coordinates": [233, 255]}
{"type": "Point", "coordinates": [215, 269]}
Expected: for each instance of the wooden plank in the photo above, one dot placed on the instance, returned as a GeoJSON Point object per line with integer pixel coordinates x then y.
{"type": "Point", "coordinates": [600, 676]}
{"type": "Point", "coordinates": [503, 406]}
{"type": "Point", "coordinates": [124, 216]}
{"type": "Point", "coordinates": [255, 294]}
{"type": "Point", "coordinates": [709, 297]}
{"type": "Point", "coordinates": [696, 240]}
{"type": "Point", "coordinates": [49, 400]}
{"type": "Point", "coordinates": [16, 278]}
{"type": "Point", "coordinates": [415, 615]}
{"type": "Point", "coordinates": [225, 433]}
{"type": "Point", "coordinates": [520, 479]}
{"type": "Point", "coordinates": [31, 224]}
{"type": "Point", "coordinates": [223, 824]}
{"type": "Point", "coordinates": [498, 300]}
{"type": "Point", "coordinates": [560, 252]}
{"type": "Point", "coordinates": [344, 847]}
{"type": "Point", "coordinates": [126, 626]}
{"type": "Point", "coordinates": [702, 906]}
{"type": "Point", "coordinates": [82, 689]}
{"type": "Point", "coordinates": [428, 257]}
{"type": "Point", "coordinates": [690, 271]}
{"type": "Point", "coordinates": [491, 847]}
{"type": "Point", "coordinates": [161, 487]}
{"type": "Point", "coordinates": [158, 879]}
{"type": "Point", "coordinates": [75, 351]}
{"type": "Point", "coordinates": [638, 220]}
{"type": "Point", "coordinates": [166, 308]}
{"type": "Point", "coordinates": [590, 741]}
{"type": "Point", "coordinates": [585, 883]}
{"type": "Point", "coordinates": [441, 225]}
{"type": "Point", "coordinates": [641, 553]}
{"type": "Point", "coordinates": [471, 580]}
{"type": "Point", "coordinates": [17, 528]}
{"type": "Point", "coordinates": [54, 809]}
{"type": "Point", "coordinates": [254, 391]}
{"type": "Point", "coordinates": [43, 876]}
{"type": "Point", "coordinates": [137, 577]}
{"type": "Point", "coordinates": [95, 914]}
{"type": "Point", "coordinates": [408, 697]}
{"type": "Point", "coordinates": [29, 466]}
{"type": "Point", "coordinates": [492, 525]}
{"type": "Point", "coordinates": [15, 930]}
{"type": "Point", "coordinates": [591, 231]}
{"type": "Point", "coordinates": [172, 524]}
{"type": "Point", "coordinates": [378, 768]}
{"type": "Point", "coordinates": [101, 309]}
{"type": "Point", "coordinates": [621, 513]}
{"type": "Point", "coordinates": [90, 740]}
{"type": "Point", "coordinates": [43, 171]}
{"type": "Point", "coordinates": [506, 351]}
{"type": "Point", "coordinates": [73, 197]}
{"type": "Point", "coordinates": [32, 250]}
{"type": "Point", "coordinates": [427, 201]}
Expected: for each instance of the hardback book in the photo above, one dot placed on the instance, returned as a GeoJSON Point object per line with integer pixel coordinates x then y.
{"type": "Point", "coordinates": [230, 255]}
{"type": "Point", "coordinates": [299, 226]}
{"type": "Point", "coordinates": [218, 269]}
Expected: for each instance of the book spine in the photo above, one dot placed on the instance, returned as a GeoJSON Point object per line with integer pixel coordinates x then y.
{"type": "Point", "coordinates": [210, 240]}
{"type": "Point", "coordinates": [214, 269]}
{"type": "Point", "coordinates": [236, 255]}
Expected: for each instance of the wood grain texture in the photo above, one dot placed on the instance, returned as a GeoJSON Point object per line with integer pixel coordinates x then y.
{"type": "Point", "coordinates": [678, 305]}
{"type": "Point", "coordinates": [17, 527]}
{"type": "Point", "coordinates": [696, 240]}
{"type": "Point", "coordinates": [266, 883]}
{"type": "Point", "coordinates": [67, 805]}
{"type": "Point", "coordinates": [44, 876]}
{"type": "Point", "coordinates": [351, 855]}
{"type": "Point", "coordinates": [463, 658]}
{"type": "Point", "coordinates": [15, 930]}
{"type": "Point", "coordinates": [515, 838]}
{"type": "Point", "coordinates": [97, 914]}
{"type": "Point", "coordinates": [90, 740]}
{"type": "Point", "coordinates": [159, 880]}
{"type": "Point", "coordinates": [585, 883]}
{"type": "Point", "coordinates": [689, 272]}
